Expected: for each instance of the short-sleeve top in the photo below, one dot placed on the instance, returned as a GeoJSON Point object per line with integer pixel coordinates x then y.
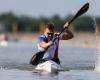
{"type": "Point", "coordinates": [52, 51]}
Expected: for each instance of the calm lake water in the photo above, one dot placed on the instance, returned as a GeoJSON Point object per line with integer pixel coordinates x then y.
{"type": "Point", "coordinates": [14, 63]}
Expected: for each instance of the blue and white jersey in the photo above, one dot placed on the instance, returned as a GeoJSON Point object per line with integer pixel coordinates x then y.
{"type": "Point", "coordinates": [42, 38]}
{"type": "Point", "coordinates": [51, 50]}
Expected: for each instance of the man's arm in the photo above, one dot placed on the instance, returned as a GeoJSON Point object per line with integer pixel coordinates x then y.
{"type": "Point", "coordinates": [44, 44]}
{"type": "Point", "coordinates": [67, 34]}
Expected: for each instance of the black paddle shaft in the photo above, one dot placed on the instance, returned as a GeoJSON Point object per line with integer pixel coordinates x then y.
{"type": "Point", "coordinates": [35, 60]}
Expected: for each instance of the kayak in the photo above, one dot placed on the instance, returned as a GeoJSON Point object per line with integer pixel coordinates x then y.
{"type": "Point", "coordinates": [49, 66]}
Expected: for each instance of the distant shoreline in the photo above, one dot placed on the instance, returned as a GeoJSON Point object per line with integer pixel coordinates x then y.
{"type": "Point", "coordinates": [31, 36]}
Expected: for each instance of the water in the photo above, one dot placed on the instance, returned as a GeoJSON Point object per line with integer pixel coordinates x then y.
{"type": "Point", "coordinates": [14, 63]}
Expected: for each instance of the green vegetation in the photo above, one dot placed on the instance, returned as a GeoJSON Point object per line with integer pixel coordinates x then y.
{"type": "Point", "coordinates": [85, 23]}
{"type": "Point", "coordinates": [32, 24]}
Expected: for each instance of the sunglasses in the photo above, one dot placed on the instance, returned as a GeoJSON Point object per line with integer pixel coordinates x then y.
{"type": "Point", "coordinates": [50, 33]}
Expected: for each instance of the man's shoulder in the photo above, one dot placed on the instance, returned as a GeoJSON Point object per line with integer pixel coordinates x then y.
{"type": "Point", "coordinates": [42, 36]}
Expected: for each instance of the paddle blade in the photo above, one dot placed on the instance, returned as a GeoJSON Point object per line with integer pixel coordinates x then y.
{"type": "Point", "coordinates": [81, 11]}
{"type": "Point", "coordinates": [35, 60]}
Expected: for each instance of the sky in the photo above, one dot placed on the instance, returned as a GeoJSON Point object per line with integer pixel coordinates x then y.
{"type": "Point", "coordinates": [48, 8]}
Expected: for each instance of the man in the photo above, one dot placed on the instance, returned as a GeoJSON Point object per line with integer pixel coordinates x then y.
{"type": "Point", "coordinates": [45, 41]}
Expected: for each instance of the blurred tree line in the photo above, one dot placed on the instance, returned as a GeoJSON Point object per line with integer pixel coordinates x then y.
{"type": "Point", "coordinates": [31, 24]}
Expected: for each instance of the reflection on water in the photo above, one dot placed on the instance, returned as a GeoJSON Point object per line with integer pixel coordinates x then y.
{"type": "Point", "coordinates": [15, 74]}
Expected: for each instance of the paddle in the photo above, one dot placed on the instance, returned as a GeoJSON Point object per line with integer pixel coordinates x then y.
{"type": "Point", "coordinates": [36, 58]}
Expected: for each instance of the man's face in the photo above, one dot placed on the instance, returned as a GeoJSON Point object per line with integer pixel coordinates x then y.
{"type": "Point", "coordinates": [49, 33]}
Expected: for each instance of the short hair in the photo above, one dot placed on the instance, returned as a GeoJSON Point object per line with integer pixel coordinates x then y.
{"type": "Point", "coordinates": [50, 26]}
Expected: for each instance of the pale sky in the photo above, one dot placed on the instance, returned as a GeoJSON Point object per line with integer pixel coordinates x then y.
{"type": "Point", "coordinates": [48, 8]}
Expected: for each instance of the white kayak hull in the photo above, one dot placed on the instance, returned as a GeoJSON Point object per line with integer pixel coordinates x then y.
{"type": "Point", "coordinates": [48, 66]}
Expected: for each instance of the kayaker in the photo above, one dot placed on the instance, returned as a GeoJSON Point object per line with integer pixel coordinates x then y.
{"type": "Point", "coordinates": [45, 41]}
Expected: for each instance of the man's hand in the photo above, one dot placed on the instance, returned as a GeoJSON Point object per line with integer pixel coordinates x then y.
{"type": "Point", "coordinates": [66, 25]}
{"type": "Point", "coordinates": [50, 43]}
